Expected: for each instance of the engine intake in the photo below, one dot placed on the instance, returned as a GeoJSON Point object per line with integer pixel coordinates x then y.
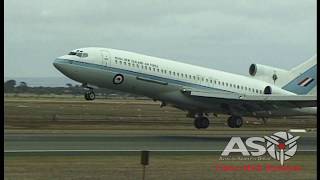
{"type": "Point", "coordinates": [267, 90]}
{"type": "Point", "coordinates": [267, 73]}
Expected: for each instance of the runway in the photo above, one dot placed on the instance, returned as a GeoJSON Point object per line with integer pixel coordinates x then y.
{"type": "Point", "coordinates": [57, 142]}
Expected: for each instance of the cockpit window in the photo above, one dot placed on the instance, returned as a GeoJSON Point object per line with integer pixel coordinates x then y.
{"type": "Point", "coordinates": [78, 53]}
{"type": "Point", "coordinates": [72, 53]}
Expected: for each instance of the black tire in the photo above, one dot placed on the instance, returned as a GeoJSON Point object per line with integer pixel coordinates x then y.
{"type": "Point", "coordinates": [91, 96]}
{"type": "Point", "coordinates": [197, 123]}
{"type": "Point", "coordinates": [230, 122]}
{"type": "Point", "coordinates": [86, 96]}
{"type": "Point", "coordinates": [238, 122]}
{"type": "Point", "coordinates": [201, 122]}
{"type": "Point", "coordinates": [235, 121]}
{"type": "Point", "coordinates": [204, 122]}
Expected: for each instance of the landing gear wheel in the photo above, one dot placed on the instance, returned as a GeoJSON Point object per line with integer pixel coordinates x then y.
{"type": "Point", "coordinates": [201, 123]}
{"type": "Point", "coordinates": [86, 96]}
{"type": "Point", "coordinates": [235, 121]}
{"type": "Point", "coordinates": [89, 95]}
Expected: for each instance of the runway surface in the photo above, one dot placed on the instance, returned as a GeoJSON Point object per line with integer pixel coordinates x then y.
{"type": "Point", "coordinates": [15, 142]}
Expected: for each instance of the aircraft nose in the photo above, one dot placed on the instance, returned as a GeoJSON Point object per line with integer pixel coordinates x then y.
{"type": "Point", "coordinates": [58, 64]}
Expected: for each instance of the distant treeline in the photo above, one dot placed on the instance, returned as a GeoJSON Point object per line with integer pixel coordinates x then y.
{"type": "Point", "coordinates": [11, 86]}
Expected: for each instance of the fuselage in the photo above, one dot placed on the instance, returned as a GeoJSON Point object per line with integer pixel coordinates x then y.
{"type": "Point", "coordinates": [163, 80]}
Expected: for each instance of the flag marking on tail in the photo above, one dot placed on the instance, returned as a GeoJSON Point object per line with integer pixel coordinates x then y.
{"type": "Point", "coordinates": [305, 82]}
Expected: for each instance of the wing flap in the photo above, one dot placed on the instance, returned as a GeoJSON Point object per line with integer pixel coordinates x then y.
{"type": "Point", "coordinates": [263, 101]}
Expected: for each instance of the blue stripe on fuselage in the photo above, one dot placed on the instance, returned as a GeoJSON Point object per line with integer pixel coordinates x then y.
{"type": "Point", "coordinates": [124, 71]}
{"type": "Point", "coordinates": [293, 86]}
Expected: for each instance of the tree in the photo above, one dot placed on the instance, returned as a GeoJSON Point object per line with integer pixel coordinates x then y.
{"type": "Point", "coordinates": [23, 87]}
{"type": "Point", "coordinates": [9, 86]}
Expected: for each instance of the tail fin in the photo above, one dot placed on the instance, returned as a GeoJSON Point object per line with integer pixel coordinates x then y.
{"type": "Point", "coordinates": [303, 78]}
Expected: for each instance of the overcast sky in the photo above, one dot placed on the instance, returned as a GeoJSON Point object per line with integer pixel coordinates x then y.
{"type": "Point", "coordinates": [223, 34]}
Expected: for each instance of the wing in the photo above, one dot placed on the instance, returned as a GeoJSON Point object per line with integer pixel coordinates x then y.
{"type": "Point", "coordinates": [252, 103]}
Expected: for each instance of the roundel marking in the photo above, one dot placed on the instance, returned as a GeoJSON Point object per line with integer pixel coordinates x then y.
{"type": "Point", "coordinates": [118, 79]}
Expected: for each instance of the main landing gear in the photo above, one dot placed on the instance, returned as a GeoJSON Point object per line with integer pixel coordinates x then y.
{"type": "Point", "coordinates": [89, 95]}
{"type": "Point", "coordinates": [201, 122]}
{"type": "Point", "coordinates": [235, 121]}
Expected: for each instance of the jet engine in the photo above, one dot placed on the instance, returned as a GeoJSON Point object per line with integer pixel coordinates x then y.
{"type": "Point", "coordinates": [267, 73]}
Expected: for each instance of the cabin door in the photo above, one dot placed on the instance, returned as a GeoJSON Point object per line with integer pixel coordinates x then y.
{"type": "Point", "coordinates": [106, 58]}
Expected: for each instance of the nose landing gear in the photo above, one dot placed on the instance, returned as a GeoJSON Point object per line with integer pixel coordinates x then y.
{"type": "Point", "coordinates": [89, 95]}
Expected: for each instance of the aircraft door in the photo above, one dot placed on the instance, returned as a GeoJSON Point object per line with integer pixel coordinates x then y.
{"type": "Point", "coordinates": [106, 58]}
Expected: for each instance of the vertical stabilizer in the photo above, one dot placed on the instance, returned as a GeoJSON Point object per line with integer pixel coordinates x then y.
{"type": "Point", "coordinates": [302, 79]}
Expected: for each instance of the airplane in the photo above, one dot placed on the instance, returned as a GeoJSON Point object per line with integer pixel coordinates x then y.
{"type": "Point", "coordinates": [266, 92]}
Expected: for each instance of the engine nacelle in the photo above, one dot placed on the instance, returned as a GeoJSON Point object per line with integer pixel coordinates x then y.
{"type": "Point", "coordinates": [267, 73]}
{"type": "Point", "coordinates": [275, 90]}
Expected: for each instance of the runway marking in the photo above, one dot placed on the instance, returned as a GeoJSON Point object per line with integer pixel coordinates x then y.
{"type": "Point", "coordinates": [89, 150]}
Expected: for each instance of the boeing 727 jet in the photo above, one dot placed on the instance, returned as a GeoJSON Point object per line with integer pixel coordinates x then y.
{"type": "Point", "coordinates": [265, 92]}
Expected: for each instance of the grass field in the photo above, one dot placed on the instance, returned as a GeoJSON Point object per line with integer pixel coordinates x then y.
{"type": "Point", "coordinates": [66, 114]}
{"type": "Point", "coordinates": [162, 165]}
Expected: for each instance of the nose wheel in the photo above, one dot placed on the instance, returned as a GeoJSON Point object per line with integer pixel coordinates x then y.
{"type": "Point", "coordinates": [89, 95]}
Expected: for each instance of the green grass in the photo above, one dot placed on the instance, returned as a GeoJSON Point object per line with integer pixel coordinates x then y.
{"type": "Point", "coordinates": [68, 114]}
{"type": "Point", "coordinates": [162, 165]}
{"type": "Point", "coordinates": [75, 115]}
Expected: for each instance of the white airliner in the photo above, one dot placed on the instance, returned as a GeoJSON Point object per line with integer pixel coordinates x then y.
{"type": "Point", "coordinates": [266, 92]}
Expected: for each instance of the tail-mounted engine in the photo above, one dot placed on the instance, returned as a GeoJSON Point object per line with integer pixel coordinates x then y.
{"type": "Point", "coordinates": [267, 73]}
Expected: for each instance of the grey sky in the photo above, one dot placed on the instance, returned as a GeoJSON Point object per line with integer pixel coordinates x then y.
{"type": "Point", "coordinates": [225, 34]}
